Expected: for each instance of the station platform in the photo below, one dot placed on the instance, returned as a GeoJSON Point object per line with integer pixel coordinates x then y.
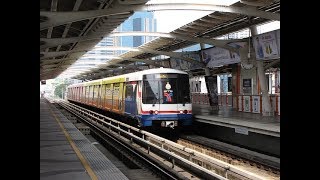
{"type": "Point", "coordinates": [252, 131]}
{"type": "Point", "coordinates": [228, 117]}
{"type": "Point", "coordinates": [65, 153]}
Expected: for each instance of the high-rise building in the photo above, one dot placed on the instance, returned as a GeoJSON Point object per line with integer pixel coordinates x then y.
{"type": "Point", "coordinates": [139, 21]}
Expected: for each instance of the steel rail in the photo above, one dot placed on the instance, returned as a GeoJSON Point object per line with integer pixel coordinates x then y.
{"type": "Point", "coordinates": [179, 154]}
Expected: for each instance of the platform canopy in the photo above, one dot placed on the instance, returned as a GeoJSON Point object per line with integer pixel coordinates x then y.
{"type": "Point", "coordinates": [69, 29]}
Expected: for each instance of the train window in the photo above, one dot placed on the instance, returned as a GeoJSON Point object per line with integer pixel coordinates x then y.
{"type": "Point", "coordinates": [99, 94]}
{"type": "Point", "coordinates": [94, 92]}
{"type": "Point", "coordinates": [166, 89]}
{"type": "Point", "coordinates": [184, 89]}
{"type": "Point", "coordinates": [108, 91]}
{"type": "Point", "coordinates": [129, 92]}
{"type": "Point", "coordinates": [150, 92]}
{"type": "Point", "coordinates": [116, 89]}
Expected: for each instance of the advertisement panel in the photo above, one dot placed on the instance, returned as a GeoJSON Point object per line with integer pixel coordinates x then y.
{"type": "Point", "coordinates": [267, 45]}
{"type": "Point", "coordinates": [246, 103]}
{"type": "Point", "coordinates": [256, 104]}
{"type": "Point", "coordinates": [215, 57]}
{"type": "Point", "coordinates": [177, 63]}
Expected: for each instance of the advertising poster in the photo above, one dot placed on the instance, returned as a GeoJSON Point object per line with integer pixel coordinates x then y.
{"type": "Point", "coordinates": [265, 46]}
{"type": "Point", "coordinates": [211, 82]}
{"type": "Point", "coordinates": [246, 103]}
{"type": "Point", "coordinates": [256, 104]}
{"type": "Point", "coordinates": [177, 63]}
{"type": "Point", "coordinates": [216, 56]}
{"type": "Point", "coordinates": [239, 103]}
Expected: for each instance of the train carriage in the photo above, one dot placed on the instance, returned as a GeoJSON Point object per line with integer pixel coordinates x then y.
{"type": "Point", "coordinates": [155, 97]}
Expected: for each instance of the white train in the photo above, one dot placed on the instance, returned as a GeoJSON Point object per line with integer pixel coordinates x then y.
{"type": "Point", "coordinates": [154, 97]}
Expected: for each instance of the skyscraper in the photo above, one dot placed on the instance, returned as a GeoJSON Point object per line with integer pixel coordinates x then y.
{"type": "Point", "coordinates": [139, 21]}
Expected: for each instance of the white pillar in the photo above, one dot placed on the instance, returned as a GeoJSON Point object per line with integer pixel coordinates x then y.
{"type": "Point", "coordinates": [208, 73]}
{"type": "Point", "coordinates": [206, 69]}
{"type": "Point", "coordinates": [266, 105]}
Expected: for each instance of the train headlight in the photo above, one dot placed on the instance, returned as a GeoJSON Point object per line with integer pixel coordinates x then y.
{"type": "Point", "coordinates": [155, 112]}
{"type": "Point", "coordinates": [151, 111]}
{"type": "Point", "coordinates": [181, 111]}
{"type": "Point", "coordinates": [175, 123]}
{"type": "Point", "coordinates": [185, 111]}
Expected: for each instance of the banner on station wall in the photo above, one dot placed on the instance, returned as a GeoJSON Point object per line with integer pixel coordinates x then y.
{"type": "Point", "coordinates": [180, 64]}
{"type": "Point", "coordinates": [267, 45]}
{"type": "Point", "coordinates": [211, 82]}
{"type": "Point", "coordinates": [216, 56]}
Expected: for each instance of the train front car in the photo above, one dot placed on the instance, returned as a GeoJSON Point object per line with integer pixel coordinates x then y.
{"type": "Point", "coordinates": [166, 99]}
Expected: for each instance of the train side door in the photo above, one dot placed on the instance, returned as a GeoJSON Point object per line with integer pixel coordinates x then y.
{"type": "Point", "coordinates": [130, 98]}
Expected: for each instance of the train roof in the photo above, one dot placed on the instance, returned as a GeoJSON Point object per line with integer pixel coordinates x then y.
{"type": "Point", "coordinates": [132, 76]}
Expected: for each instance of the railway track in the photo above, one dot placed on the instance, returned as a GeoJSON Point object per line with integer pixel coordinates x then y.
{"type": "Point", "coordinates": [170, 159]}
{"type": "Point", "coordinates": [252, 163]}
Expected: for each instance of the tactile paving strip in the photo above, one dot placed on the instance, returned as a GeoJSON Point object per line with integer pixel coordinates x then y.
{"type": "Point", "coordinates": [103, 167]}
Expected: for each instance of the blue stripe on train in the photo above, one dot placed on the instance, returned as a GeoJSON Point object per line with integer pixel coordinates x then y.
{"type": "Point", "coordinates": [184, 119]}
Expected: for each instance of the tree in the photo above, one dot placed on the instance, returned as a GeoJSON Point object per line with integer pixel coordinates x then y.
{"type": "Point", "coordinates": [60, 90]}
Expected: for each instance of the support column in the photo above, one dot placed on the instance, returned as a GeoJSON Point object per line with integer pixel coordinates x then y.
{"type": "Point", "coordinates": [266, 105]}
{"type": "Point", "coordinates": [206, 69]}
{"type": "Point", "coordinates": [212, 91]}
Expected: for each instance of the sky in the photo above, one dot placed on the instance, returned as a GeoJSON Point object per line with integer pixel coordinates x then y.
{"type": "Point", "coordinates": [168, 21]}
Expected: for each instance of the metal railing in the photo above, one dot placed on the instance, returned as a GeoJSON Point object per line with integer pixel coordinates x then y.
{"type": "Point", "coordinates": [198, 163]}
{"type": "Point", "coordinates": [243, 103]}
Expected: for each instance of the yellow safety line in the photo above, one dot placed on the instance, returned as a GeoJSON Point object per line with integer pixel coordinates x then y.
{"type": "Point", "coordinates": [75, 148]}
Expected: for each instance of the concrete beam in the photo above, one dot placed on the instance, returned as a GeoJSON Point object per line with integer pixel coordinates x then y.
{"type": "Point", "coordinates": [171, 54]}
{"type": "Point", "coordinates": [272, 63]}
{"type": "Point", "coordinates": [50, 61]}
{"type": "Point", "coordinates": [59, 18]}
{"type": "Point", "coordinates": [59, 53]}
{"type": "Point", "coordinates": [54, 4]}
{"type": "Point", "coordinates": [145, 50]}
{"type": "Point", "coordinates": [219, 43]}
{"type": "Point", "coordinates": [103, 73]}
{"type": "Point", "coordinates": [249, 11]}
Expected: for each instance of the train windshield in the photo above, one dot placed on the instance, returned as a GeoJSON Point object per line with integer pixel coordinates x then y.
{"type": "Point", "coordinates": [166, 89]}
